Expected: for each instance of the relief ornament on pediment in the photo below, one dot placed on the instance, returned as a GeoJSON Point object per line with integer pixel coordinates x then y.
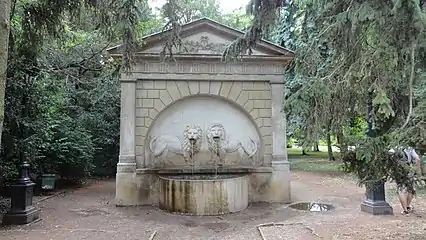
{"type": "Point", "coordinates": [204, 44]}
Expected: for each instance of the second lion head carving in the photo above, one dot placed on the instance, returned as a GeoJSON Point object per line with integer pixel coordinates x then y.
{"type": "Point", "coordinates": [192, 139]}
{"type": "Point", "coordinates": [215, 134]}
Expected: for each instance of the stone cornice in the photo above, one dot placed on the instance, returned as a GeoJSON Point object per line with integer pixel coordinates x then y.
{"type": "Point", "coordinates": [210, 77]}
{"type": "Point", "coordinates": [282, 60]}
{"type": "Point", "coordinates": [189, 67]}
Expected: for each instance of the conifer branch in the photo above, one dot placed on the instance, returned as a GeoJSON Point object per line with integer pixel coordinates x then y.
{"type": "Point", "coordinates": [264, 14]}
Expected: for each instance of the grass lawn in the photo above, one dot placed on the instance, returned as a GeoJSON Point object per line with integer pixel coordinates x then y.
{"type": "Point", "coordinates": [313, 162]}
{"type": "Point", "coordinates": [297, 153]}
{"type": "Point", "coordinates": [316, 165]}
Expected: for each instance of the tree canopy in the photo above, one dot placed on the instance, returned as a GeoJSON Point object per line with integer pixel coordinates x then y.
{"type": "Point", "coordinates": [62, 94]}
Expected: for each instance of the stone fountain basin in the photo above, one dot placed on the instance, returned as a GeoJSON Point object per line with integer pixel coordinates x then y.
{"type": "Point", "coordinates": [203, 194]}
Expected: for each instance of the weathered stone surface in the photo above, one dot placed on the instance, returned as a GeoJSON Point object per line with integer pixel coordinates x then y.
{"type": "Point", "coordinates": [154, 93]}
{"type": "Point", "coordinates": [194, 87]}
{"type": "Point", "coordinates": [279, 187]}
{"type": "Point", "coordinates": [248, 85]}
{"type": "Point", "coordinates": [267, 140]}
{"type": "Point", "coordinates": [152, 113]}
{"type": "Point", "coordinates": [183, 88]}
{"type": "Point", "coordinates": [266, 122]}
{"type": "Point", "coordinates": [148, 122]}
{"type": "Point", "coordinates": [141, 93]}
{"type": "Point", "coordinates": [147, 84]}
{"type": "Point", "coordinates": [141, 131]}
{"type": "Point", "coordinates": [235, 91]}
{"type": "Point", "coordinates": [160, 98]}
{"type": "Point", "coordinates": [242, 99]}
{"type": "Point", "coordinates": [260, 104]}
{"type": "Point", "coordinates": [225, 89]}
{"type": "Point", "coordinates": [131, 189]}
{"type": "Point", "coordinates": [165, 97]}
{"type": "Point", "coordinates": [160, 85]}
{"type": "Point", "coordinates": [159, 105]}
{"type": "Point", "coordinates": [215, 87]}
{"type": "Point", "coordinates": [173, 90]}
{"type": "Point", "coordinates": [140, 122]}
{"type": "Point", "coordinates": [249, 105]}
{"type": "Point", "coordinates": [140, 140]}
{"type": "Point", "coordinates": [141, 112]}
{"type": "Point", "coordinates": [196, 195]}
{"type": "Point", "coordinates": [254, 113]}
{"type": "Point", "coordinates": [204, 87]}
{"type": "Point", "coordinates": [147, 103]}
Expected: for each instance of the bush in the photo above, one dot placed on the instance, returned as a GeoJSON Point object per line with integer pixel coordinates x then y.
{"type": "Point", "coordinates": [370, 169]}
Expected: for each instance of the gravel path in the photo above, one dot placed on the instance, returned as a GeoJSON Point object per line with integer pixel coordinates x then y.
{"type": "Point", "coordinates": [89, 213]}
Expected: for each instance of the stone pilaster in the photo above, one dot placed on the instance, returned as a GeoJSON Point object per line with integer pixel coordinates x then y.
{"type": "Point", "coordinates": [127, 189]}
{"type": "Point", "coordinates": [278, 121]}
{"type": "Point", "coordinates": [127, 159]}
{"type": "Point", "coordinates": [279, 184]}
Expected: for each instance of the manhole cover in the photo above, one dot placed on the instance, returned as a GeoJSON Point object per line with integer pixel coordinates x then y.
{"type": "Point", "coordinates": [312, 206]}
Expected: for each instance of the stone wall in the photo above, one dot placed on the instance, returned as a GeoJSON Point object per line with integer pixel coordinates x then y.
{"type": "Point", "coordinates": [153, 96]}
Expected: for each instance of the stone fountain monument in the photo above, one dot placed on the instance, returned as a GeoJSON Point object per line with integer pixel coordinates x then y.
{"type": "Point", "coordinates": [200, 136]}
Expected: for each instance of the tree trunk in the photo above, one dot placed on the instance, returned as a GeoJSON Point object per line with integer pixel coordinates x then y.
{"type": "Point", "coordinates": [4, 47]}
{"type": "Point", "coordinates": [329, 149]}
{"type": "Point", "coordinates": [316, 147]}
{"type": "Point", "coordinates": [340, 142]}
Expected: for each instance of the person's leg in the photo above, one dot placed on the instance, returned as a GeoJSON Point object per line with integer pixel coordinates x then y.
{"type": "Point", "coordinates": [410, 195]}
{"type": "Point", "coordinates": [409, 199]}
{"type": "Point", "coordinates": [402, 197]}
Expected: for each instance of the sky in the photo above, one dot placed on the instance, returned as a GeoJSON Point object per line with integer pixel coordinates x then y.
{"type": "Point", "coordinates": [225, 5]}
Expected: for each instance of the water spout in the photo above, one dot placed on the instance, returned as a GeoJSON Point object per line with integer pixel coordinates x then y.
{"type": "Point", "coordinates": [192, 141]}
{"type": "Point", "coordinates": [217, 158]}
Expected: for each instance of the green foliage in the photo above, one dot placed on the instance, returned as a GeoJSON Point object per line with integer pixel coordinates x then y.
{"type": "Point", "coordinates": [372, 161]}
{"type": "Point", "coordinates": [62, 107]}
{"type": "Point", "coordinates": [345, 51]}
{"type": "Point", "coordinates": [237, 19]}
{"type": "Point", "coordinates": [190, 10]}
{"type": "Point", "coordinates": [178, 12]}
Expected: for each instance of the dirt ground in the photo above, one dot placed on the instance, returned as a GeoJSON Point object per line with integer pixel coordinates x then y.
{"type": "Point", "coordinates": [89, 213]}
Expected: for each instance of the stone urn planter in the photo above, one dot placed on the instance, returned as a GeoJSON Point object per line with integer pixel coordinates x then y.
{"type": "Point", "coordinates": [48, 181]}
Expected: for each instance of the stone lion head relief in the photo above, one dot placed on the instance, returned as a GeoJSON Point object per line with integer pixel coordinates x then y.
{"type": "Point", "coordinates": [192, 139]}
{"type": "Point", "coordinates": [219, 145]}
{"type": "Point", "coordinates": [216, 140]}
{"type": "Point", "coordinates": [190, 145]}
{"type": "Point", "coordinates": [216, 133]}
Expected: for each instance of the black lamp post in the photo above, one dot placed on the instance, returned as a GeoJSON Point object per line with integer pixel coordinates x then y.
{"type": "Point", "coordinates": [375, 200]}
{"type": "Point", "coordinates": [22, 211]}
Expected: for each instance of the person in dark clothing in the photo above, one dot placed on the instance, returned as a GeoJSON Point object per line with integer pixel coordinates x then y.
{"type": "Point", "coordinates": [405, 180]}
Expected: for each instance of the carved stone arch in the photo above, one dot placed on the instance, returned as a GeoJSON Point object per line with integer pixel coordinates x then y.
{"type": "Point", "coordinates": [236, 104]}
{"type": "Point", "coordinates": [232, 92]}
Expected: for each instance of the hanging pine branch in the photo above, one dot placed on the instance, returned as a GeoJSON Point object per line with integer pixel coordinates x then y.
{"type": "Point", "coordinates": [173, 12]}
{"type": "Point", "coordinates": [265, 14]}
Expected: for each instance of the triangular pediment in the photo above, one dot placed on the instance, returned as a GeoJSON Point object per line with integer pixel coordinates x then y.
{"type": "Point", "coordinates": [205, 37]}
